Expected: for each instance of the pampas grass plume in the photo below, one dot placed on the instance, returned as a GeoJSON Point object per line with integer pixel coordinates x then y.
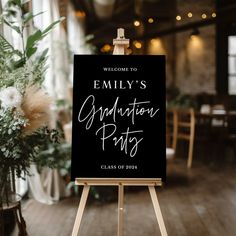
{"type": "Point", "coordinates": [36, 108]}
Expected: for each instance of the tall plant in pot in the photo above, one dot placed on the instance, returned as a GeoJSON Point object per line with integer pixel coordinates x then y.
{"type": "Point", "coordinates": [24, 105]}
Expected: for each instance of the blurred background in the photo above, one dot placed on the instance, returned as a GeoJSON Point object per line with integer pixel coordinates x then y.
{"type": "Point", "coordinates": [198, 39]}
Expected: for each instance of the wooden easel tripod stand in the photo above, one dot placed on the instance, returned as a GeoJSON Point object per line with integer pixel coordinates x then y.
{"type": "Point", "coordinates": [120, 46]}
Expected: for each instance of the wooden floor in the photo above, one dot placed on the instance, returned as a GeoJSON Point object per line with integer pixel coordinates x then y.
{"type": "Point", "coordinates": [196, 202]}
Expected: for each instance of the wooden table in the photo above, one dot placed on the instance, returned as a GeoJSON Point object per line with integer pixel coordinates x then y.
{"type": "Point", "coordinates": [216, 130]}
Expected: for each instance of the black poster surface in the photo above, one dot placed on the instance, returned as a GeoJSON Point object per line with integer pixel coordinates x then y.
{"type": "Point", "coordinates": [119, 117]}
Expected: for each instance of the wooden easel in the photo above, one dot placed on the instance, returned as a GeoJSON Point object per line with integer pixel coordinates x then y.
{"type": "Point", "coordinates": [120, 46]}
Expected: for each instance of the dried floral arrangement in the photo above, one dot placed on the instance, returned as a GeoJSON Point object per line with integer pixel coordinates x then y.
{"type": "Point", "coordinates": [24, 105]}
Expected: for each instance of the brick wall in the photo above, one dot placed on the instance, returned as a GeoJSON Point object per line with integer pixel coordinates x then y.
{"type": "Point", "coordinates": [191, 62]}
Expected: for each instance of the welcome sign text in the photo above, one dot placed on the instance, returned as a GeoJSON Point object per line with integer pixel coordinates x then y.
{"type": "Point", "coordinates": [118, 112]}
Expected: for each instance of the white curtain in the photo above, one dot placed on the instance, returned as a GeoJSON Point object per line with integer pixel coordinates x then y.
{"type": "Point", "coordinates": [57, 76]}
{"type": "Point", "coordinates": [9, 34]}
{"type": "Point", "coordinates": [76, 36]}
{"type": "Point", "coordinates": [76, 33]}
{"type": "Point", "coordinates": [36, 187]}
{"type": "Point", "coordinates": [46, 187]}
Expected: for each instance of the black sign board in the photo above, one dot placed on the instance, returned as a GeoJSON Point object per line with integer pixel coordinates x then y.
{"type": "Point", "coordinates": [119, 117]}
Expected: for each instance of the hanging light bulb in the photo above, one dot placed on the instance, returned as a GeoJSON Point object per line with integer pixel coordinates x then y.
{"type": "Point", "coordinates": [136, 23]}
{"type": "Point", "coordinates": [178, 18]}
{"type": "Point", "coordinates": [106, 48]}
{"type": "Point", "coordinates": [190, 14]}
{"type": "Point", "coordinates": [150, 20]}
{"type": "Point", "coordinates": [137, 44]}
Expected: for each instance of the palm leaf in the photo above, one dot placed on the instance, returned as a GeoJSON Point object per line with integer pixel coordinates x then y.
{"type": "Point", "coordinates": [5, 46]}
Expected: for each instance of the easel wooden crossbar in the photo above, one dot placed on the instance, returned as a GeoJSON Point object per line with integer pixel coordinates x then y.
{"type": "Point", "coordinates": [119, 181]}
{"type": "Point", "coordinates": [120, 46]}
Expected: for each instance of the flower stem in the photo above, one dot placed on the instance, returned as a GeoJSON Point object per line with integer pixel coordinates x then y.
{"type": "Point", "coordinates": [22, 35]}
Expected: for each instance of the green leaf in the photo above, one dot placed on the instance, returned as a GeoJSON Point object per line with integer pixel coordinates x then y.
{"type": "Point", "coordinates": [29, 16]}
{"type": "Point", "coordinates": [19, 63]}
{"type": "Point", "coordinates": [31, 51]}
{"type": "Point", "coordinates": [4, 44]}
{"type": "Point", "coordinates": [48, 29]}
{"type": "Point", "coordinates": [11, 12]}
{"type": "Point", "coordinates": [14, 27]}
{"type": "Point", "coordinates": [33, 38]}
{"type": "Point", "coordinates": [18, 53]}
{"type": "Point", "coordinates": [38, 35]}
{"type": "Point", "coordinates": [6, 22]}
{"type": "Point", "coordinates": [43, 56]}
{"type": "Point", "coordinates": [16, 2]}
{"type": "Point", "coordinates": [31, 42]}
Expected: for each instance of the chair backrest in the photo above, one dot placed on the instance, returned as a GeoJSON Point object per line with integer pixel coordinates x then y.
{"type": "Point", "coordinates": [186, 130]}
{"type": "Point", "coordinates": [171, 128]}
{"type": "Point", "coordinates": [185, 124]}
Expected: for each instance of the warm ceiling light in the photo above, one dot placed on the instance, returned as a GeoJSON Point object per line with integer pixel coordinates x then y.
{"type": "Point", "coordinates": [153, 41]}
{"type": "Point", "coordinates": [150, 20]}
{"type": "Point", "coordinates": [80, 14]}
{"type": "Point", "coordinates": [137, 44]}
{"type": "Point", "coordinates": [213, 14]}
{"type": "Point", "coordinates": [190, 14]}
{"type": "Point", "coordinates": [156, 42]}
{"type": "Point", "coordinates": [136, 23]}
{"type": "Point", "coordinates": [178, 18]}
{"type": "Point", "coordinates": [106, 48]}
{"type": "Point", "coordinates": [194, 33]}
{"type": "Point", "coordinates": [204, 16]}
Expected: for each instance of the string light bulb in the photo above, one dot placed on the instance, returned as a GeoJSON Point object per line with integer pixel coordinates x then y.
{"type": "Point", "coordinates": [190, 14]}
{"type": "Point", "coordinates": [137, 44]}
{"type": "Point", "coordinates": [178, 18]}
{"type": "Point", "coordinates": [150, 20]}
{"type": "Point", "coordinates": [106, 48]}
{"type": "Point", "coordinates": [213, 14]}
{"type": "Point", "coordinates": [204, 16]}
{"type": "Point", "coordinates": [136, 23]}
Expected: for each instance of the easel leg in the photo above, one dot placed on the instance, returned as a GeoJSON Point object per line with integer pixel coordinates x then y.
{"type": "Point", "coordinates": [157, 210]}
{"type": "Point", "coordinates": [120, 210]}
{"type": "Point", "coordinates": [80, 211]}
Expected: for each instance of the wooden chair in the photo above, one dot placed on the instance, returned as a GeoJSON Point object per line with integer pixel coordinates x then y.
{"type": "Point", "coordinates": [171, 133]}
{"type": "Point", "coordinates": [186, 130]}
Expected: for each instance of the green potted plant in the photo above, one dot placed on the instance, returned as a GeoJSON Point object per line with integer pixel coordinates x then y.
{"type": "Point", "coordinates": [24, 105]}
